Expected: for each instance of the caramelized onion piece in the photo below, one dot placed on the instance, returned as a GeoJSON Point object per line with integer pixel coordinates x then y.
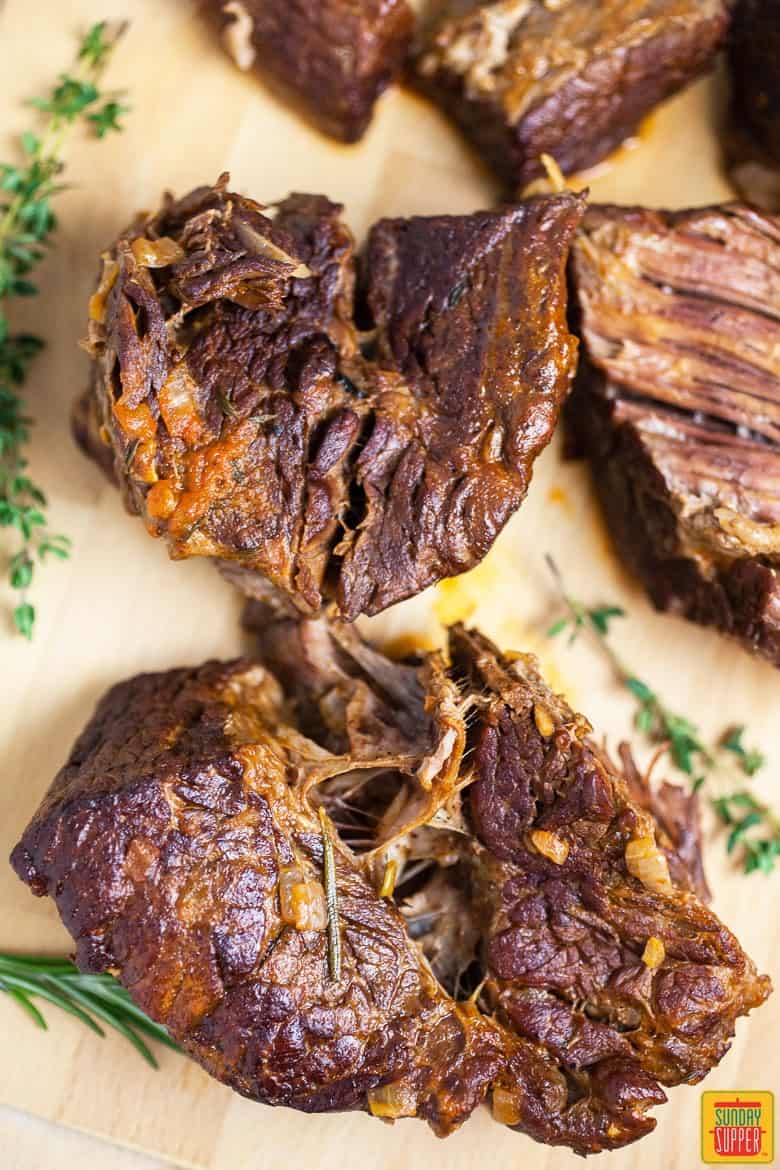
{"type": "Point", "coordinates": [504, 1108]}
{"type": "Point", "coordinates": [646, 862]}
{"type": "Point", "coordinates": [654, 953]}
{"type": "Point", "coordinates": [551, 846]}
{"type": "Point", "coordinates": [156, 253]}
{"type": "Point", "coordinates": [545, 724]}
{"type": "Point", "coordinates": [97, 302]}
{"type": "Point", "coordinates": [301, 899]}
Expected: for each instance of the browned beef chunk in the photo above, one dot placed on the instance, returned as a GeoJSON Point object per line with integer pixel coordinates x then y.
{"type": "Point", "coordinates": [591, 949]}
{"type": "Point", "coordinates": [251, 422]}
{"type": "Point", "coordinates": [182, 847]}
{"type": "Point", "coordinates": [572, 79]}
{"type": "Point", "coordinates": [332, 58]}
{"type": "Point", "coordinates": [677, 403]}
{"type": "Point", "coordinates": [753, 139]}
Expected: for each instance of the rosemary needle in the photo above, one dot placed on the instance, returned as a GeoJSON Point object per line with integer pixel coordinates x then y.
{"type": "Point", "coordinates": [331, 898]}
{"type": "Point", "coordinates": [92, 999]}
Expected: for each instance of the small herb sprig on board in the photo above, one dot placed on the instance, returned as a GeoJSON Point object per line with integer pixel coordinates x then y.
{"type": "Point", "coordinates": [96, 1000]}
{"type": "Point", "coordinates": [743, 814]}
{"type": "Point", "coordinates": [27, 223]}
{"type": "Point", "coordinates": [754, 834]}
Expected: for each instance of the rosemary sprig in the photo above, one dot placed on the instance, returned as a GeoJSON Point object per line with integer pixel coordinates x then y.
{"type": "Point", "coordinates": [93, 999]}
{"type": "Point", "coordinates": [27, 224]}
{"type": "Point", "coordinates": [754, 827]}
{"type": "Point", "coordinates": [331, 898]}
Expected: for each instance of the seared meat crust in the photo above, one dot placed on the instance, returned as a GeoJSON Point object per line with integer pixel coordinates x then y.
{"type": "Point", "coordinates": [677, 404]}
{"type": "Point", "coordinates": [333, 58]}
{"type": "Point", "coordinates": [250, 421]}
{"type": "Point", "coordinates": [572, 80]}
{"type": "Point", "coordinates": [181, 846]}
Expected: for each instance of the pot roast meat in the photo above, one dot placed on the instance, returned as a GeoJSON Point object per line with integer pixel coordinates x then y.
{"type": "Point", "coordinates": [166, 841]}
{"type": "Point", "coordinates": [677, 405]}
{"type": "Point", "coordinates": [753, 136]}
{"type": "Point", "coordinates": [571, 79]}
{"type": "Point", "coordinates": [591, 948]}
{"type": "Point", "coordinates": [182, 846]}
{"type": "Point", "coordinates": [332, 58]}
{"type": "Point", "coordinates": [252, 423]}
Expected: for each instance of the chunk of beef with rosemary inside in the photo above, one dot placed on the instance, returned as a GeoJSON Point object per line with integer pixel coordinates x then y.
{"type": "Point", "coordinates": [677, 405]}
{"type": "Point", "coordinates": [508, 923]}
{"type": "Point", "coordinates": [251, 422]}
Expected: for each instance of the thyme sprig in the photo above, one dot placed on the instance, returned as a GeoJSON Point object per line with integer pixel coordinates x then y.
{"type": "Point", "coordinates": [754, 834]}
{"type": "Point", "coordinates": [95, 1000]}
{"type": "Point", "coordinates": [653, 717]}
{"type": "Point", "coordinates": [27, 224]}
{"type": "Point", "coordinates": [579, 617]}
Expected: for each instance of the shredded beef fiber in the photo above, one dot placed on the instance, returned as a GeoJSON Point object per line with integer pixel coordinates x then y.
{"type": "Point", "coordinates": [677, 404]}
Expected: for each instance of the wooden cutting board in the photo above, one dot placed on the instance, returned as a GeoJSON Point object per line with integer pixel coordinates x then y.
{"type": "Point", "coordinates": [119, 606]}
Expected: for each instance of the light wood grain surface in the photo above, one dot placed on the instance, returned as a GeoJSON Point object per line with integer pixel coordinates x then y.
{"type": "Point", "coordinates": [119, 606]}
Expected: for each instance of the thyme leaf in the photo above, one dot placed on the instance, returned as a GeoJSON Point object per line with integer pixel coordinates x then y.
{"type": "Point", "coordinates": [750, 761]}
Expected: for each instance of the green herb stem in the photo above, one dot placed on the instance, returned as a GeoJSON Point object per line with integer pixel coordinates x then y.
{"type": "Point", "coordinates": [94, 1000]}
{"type": "Point", "coordinates": [27, 224]}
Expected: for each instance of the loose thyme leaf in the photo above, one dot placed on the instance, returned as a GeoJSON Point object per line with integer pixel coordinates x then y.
{"type": "Point", "coordinates": [27, 222]}
{"type": "Point", "coordinates": [107, 118]}
{"type": "Point", "coordinates": [750, 761]}
{"type": "Point", "coordinates": [759, 850]}
{"type": "Point", "coordinates": [603, 615]}
{"type": "Point", "coordinates": [331, 898]}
